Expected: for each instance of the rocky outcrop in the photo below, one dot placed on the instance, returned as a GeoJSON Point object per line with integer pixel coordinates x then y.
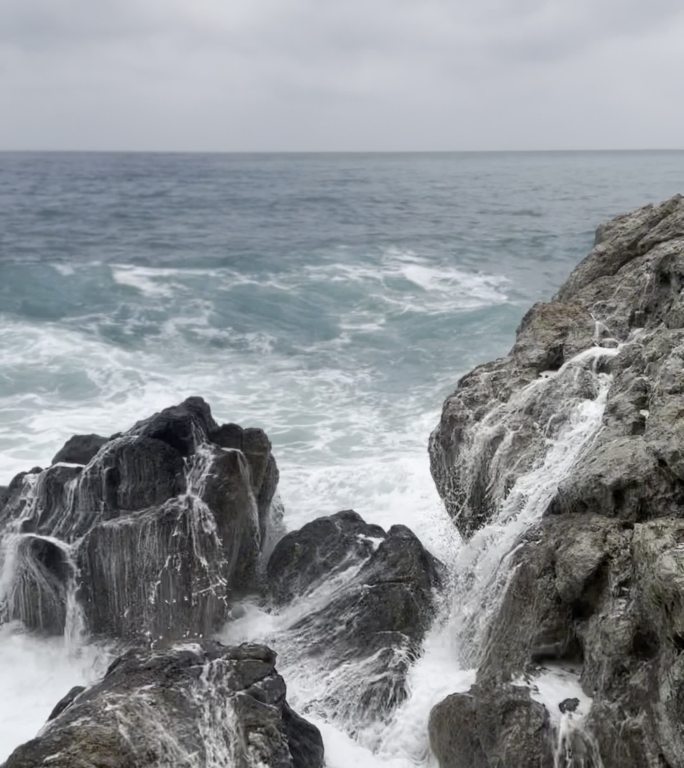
{"type": "Point", "coordinates": [372, 597]}
{"type": "Point", "coordinates": [152, 537]}
{"type": "Point", "coordinates": [627, 291]}
{"type": "Point", "coordinates": [191, 706]}
{"type": "Point", "coordinates": [607, 598]}
{"type": "Point", "coordinates": [596, 581]}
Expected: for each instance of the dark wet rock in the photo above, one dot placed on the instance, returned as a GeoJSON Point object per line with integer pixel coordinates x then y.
{"type": "Point", "coordinates": [198, 551]}
{"type": "Point", "coordinates": [190, 707]}
{"type": "Point", "coordinates": [373, 597]}
{"type": "Point", "coordinates": [608, 598]}
{"type": "Point", "coordinates": [256, 447]}
{"type": "Point", "coordinates": [303, 557]}
{"type": "Point", "coordinates": [182, 427]}
{"type": "Point", "coordinates": [597, 582]}
{"type": "Point", "coordinates": [569, 705]}
{"type": "Point", "coordinates": [66, 701]}
{"type": "Point", "coordinates": [491, 726]}
{"type": "Point", "coordinates": [79, 449]}
{"type": "Point", "coordinates": [130, 473]}
{"type": "Point", "coordinates": [162, 525]}
{"type": "Point", "coordinates": [38, 593]}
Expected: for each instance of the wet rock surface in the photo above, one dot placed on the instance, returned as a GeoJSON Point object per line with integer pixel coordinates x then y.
{"type": "Point", "coordinates": [79, 449]}
{"type": "Point", "coordinates": [596, 583]}
{"type": "Point", "coordinates": [631, 297]}
{"type": "Point", "coordinates": [155, 534]}
{"type": "Point", "coordinates": [190, 707]}
{"type": "Point", "coordinates": [372, 596]}
{"type": "Point", "coordinates": [491, 726]}
{"type": "Point", "coordinates": [146, 538]}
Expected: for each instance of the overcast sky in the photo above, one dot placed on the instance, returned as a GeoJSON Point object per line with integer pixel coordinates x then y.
{"type": "Point", "coordinates": [341, 74]}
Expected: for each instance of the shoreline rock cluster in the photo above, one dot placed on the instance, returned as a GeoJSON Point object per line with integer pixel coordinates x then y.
{"type": "Point", "coordinates": [150, 538]}
{"type": "Point", "coordinates": [147, 540]}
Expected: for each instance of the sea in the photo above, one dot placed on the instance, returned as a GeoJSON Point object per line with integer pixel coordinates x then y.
{"type": "Point", "coordinates": [332, 299]}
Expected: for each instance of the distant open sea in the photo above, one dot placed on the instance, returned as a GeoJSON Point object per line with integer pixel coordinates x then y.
{"type": "Point", "coordinates": [333, 300]}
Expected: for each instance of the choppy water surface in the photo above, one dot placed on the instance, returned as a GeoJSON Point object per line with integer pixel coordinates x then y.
{"type": "Point", "coordinates": [332, 300]}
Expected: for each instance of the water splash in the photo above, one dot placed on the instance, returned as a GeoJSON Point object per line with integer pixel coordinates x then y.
{"type": "Point", "coordinates": [479, 572]}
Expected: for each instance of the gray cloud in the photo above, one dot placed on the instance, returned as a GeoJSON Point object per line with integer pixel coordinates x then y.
{"type": "Point", "coordinates": [318, 74]}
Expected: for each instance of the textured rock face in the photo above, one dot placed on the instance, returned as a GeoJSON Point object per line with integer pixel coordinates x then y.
{"type": "Point", "coordinates": [491, 726]}
{"type": "Point", "coordinates": [608, 598]}
{"type": "Point", "coordinates": [597, 582]}
{"type": "Point", "coordinates": [256, 448]}
{"type": "Point", "coordinates": [303, 558]}
{"type": "Point", "coordinates": [372, 595]}
{"type": "Point", "coordinates": [152, 537]}
{"type": "Point", "coordinates": [628, 290]}
{"type": "Point", "coordinates": [195, 706]}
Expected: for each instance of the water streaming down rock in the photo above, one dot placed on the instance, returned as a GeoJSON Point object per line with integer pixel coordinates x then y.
{"type": "Point", "coordinates": [149, 543]}
{"type": "Point", "coordinates": [481, 569]}
{"type": "Point", "coordinates": [587, 588]}
{"type": "Point", "coordinates": [156, 533]}
{"type": "Point", "coordinates": [347, 607]}
{"type": "Point", "coordinates": [337, 648]}
{"type": "Point", "coordinates": [193, 706]}
{"type": "Point", "coordinates": [363, 641]}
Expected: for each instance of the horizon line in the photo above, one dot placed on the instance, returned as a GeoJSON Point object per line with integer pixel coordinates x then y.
{"type": "Point", "coordinates": [16, 151]}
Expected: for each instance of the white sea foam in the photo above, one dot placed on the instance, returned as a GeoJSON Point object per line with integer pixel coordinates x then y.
{"type": "Point", "coordinates": [143, 280]}
{"type": "Point", "coordinates": [66, 270]}
{"type": "Point", "coordinates": [441, 288]}
{"type": "Point", "coordinates": [552, 686]}
{"type": "Point", "coordinates": [35, 673]}
{"type": "Point", "coordinates": [479, 570]}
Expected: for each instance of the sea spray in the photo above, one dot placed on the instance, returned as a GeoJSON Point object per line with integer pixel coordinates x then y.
{"type": "Point", "coordinates": [479, 571]}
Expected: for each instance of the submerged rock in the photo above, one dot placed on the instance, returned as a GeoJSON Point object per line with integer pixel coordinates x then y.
{"type": "Point", "coordinates": [193, 706]}
{"type": "Point", "coordinates": [154, 536]}
{"type": "Point", "coordinates": [596, 581]}
{"type": "Point", "coordinates": [371, 596]}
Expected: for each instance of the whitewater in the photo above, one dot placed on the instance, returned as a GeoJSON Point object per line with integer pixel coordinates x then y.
{"type": "Point", "coordinates": [337, 321]}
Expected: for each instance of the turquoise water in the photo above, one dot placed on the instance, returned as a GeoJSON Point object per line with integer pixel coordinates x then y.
{"type": "Point", "coordinates": [332, 299]}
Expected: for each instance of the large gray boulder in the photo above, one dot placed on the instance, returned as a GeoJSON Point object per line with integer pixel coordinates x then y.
{"type": "Point", "coordinates": [491, 726]}
{"type": "Point", "coordinates": [194, 705]}
{"type": "Point", "coordinates": [372, 595]}
{"type": "Point", "coordinates": [153, 537]}
{"type": "Point", "coordinates": [593, 582]}
{"type": "Point", "coordinates": [628, 290]}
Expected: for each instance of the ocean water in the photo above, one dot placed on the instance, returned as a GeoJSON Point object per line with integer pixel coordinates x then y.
{"type": "Point", "coordinates": [333, 300]}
